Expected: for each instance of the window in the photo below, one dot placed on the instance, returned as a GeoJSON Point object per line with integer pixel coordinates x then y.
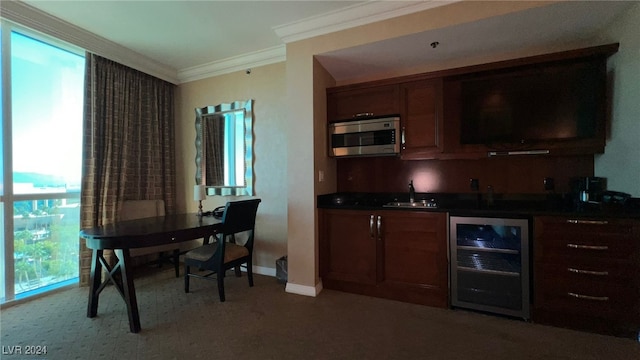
{"type": "Point", "coordinates": [42, 104]}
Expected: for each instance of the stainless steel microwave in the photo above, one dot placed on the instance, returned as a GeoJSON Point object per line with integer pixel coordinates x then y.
{"type": "Point", "coordinates": [365, 137]}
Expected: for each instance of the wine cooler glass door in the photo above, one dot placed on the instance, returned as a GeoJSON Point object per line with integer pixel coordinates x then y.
{"type": "Point", "coordinates": [490, 264]}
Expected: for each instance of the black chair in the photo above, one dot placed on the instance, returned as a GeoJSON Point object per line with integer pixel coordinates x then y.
{"type": "Point", "coordinates": [220, 256]}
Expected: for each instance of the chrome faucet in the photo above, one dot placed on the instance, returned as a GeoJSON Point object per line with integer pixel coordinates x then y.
{"type": "Point", "coordinates": [412, 192]}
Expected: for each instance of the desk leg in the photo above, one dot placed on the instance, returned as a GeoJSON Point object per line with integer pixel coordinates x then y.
{"type": "Point", "coordinates": [128, 289]}
{"type": "Point", "coordinates": [94, 283]}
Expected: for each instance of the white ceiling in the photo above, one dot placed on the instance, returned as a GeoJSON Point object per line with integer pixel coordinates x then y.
{"type": "Point", "coordinates": [554, 26]}
{"type": "Point", "coordinates": [189, 34]}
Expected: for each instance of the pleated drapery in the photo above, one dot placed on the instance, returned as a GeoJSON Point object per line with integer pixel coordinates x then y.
{"type": "Point", "coordinates": [128, 144]}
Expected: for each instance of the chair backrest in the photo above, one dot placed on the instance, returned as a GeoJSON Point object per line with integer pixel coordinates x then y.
{"type": "Point", "coordinates": [240, 216]}
{"type": "Point", "coordinates": [137, 209]}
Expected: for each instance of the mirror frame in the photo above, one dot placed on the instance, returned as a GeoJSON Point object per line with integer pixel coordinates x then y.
{"type": "Point", "coordinates": [201, 162]}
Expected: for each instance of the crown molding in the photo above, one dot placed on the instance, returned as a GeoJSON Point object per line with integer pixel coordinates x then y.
{"type": "Point", "coordinates": [241, 62]}
{"type": "Point", "coordinates": [32, 18]}
{"type": "Point", "coordinates": [349, 17]}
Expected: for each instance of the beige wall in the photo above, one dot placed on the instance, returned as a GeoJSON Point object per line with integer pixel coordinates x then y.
{"type": "Point", "coordinates": [620, 163]}
{"type": "Point", "coordinates": [300, 172]}
{"type": "Point", "coordinates": [266, 86]}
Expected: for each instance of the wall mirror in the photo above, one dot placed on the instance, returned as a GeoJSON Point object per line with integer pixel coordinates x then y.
{"type": "Point", "coordinates": [224, 148]}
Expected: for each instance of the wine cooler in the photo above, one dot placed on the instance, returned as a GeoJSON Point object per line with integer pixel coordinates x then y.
{"type": "Point", "coordinates": [490, 264]}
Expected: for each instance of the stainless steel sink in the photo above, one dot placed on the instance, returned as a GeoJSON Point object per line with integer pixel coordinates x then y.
{"type": "Point", "coordinates": [416, 204]}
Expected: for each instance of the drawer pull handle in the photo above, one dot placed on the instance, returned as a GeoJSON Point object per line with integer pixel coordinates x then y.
{"type": "Point", "coordinates": [587, 297]}
{"type": "Point", "coordinates": [590, 222]}
{"type": "Point", "coordinates": [588, 247]}
{"type": "Point", "coordinates": [359, 115]}
{"type": "Point", "coordinates": [588, 272]}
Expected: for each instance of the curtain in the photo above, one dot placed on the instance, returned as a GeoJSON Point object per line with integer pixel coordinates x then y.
{"type": "Point", "coordinates": [128, 144]}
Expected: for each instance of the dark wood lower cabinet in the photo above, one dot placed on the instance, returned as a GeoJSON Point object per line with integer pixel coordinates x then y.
{"type": "Point", "coordinates": [400, 255]}
{"type": "Point", "coordinates": [586, 274]}
{"type": "Point", "coordinates": [348, 249]}
{"type": "Point", "coordinates": [585, 270]}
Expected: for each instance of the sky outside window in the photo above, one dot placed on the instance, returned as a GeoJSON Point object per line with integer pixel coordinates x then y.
{"type": "Point", "coordinates": [47, 88]}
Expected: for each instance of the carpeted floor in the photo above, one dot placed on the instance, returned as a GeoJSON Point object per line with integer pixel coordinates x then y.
{"type": "Point", "coordinates": [264, 322]}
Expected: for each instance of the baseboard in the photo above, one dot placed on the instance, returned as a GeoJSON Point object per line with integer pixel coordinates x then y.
{"type": "Point", "coordinates": [264, 271]}
{"type": "Point", "coordinates": [291, 288]}
{"type": "Point", "coordinates": [303, 289]}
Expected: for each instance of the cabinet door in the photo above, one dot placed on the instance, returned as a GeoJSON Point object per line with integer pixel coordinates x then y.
{"type": "Point", "coordinates": [348, 246]}
{"type": "Point", "coordinates": [363, 102]}
{"type": "Point", "coordinates": [414, 252]}
{"type": "Point", "coordinates": [421, 116]}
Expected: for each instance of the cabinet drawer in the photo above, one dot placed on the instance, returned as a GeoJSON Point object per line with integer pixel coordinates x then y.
{"type": "Point", "coordinates": [588, 239]}
{"type": "Point", "coordinates": [588, 298]}
{"type": "Point", "coordinates": [598, 273]}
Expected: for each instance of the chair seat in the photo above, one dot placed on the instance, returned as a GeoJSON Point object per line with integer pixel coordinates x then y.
{"type": "Point", "coordinates": [205, 252]}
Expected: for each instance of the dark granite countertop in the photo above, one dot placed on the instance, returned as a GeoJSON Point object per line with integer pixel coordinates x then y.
{"type": "Point", "coordinates": [500, 205]}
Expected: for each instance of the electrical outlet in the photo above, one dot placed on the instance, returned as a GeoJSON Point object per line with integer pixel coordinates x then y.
{"type": "Point", "coordinates": [549, 183]}
{"type": "Point", "coordinates": [474, 184]}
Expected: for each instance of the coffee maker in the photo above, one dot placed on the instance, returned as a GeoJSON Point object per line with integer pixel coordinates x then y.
{"type": "Point", "coordinates": [587, 190]}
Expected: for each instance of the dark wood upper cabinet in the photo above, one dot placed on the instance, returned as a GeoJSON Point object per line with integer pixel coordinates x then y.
{"type": "Point", "coordinates": [557, 108]}
{"type": "Point", "coordinates": [362, 102]}
{"type": "Point", "coordinates": [421, 118]}
{"type": "Point", "coordinates": [554, 104]}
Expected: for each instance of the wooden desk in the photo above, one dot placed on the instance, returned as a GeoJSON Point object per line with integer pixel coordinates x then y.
{"type": "Point", "coordinates": [125, 235]}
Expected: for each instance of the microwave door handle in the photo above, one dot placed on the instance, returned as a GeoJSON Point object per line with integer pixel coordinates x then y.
{"type": "Point", "coordinates": [402, 139]}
